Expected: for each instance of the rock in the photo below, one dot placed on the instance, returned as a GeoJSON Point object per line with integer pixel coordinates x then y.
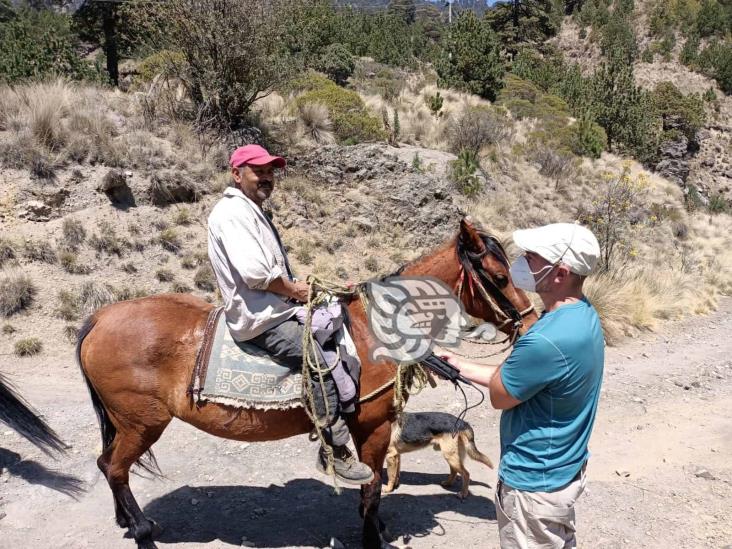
{"type": "Point", "coordinates": [705, 474]}
{"type": "Point", "coordinates": [35, 210]}
{"type": "Point", "coordinates": [114, 185]}
{"type": "Point", "coordinates": [172, 187]}
{"type": "Point", "coordinates": [364, 224]}
{"type": "Point", "coordinates": [674, 169]}
{"type": "Point", "coordinates": [676, 148]}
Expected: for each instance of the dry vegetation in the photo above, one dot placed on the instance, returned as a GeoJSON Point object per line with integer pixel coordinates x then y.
{"type": "Point", "coordinates": [676, 262]}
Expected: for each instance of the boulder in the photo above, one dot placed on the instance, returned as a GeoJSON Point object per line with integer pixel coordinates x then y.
{"type": "Point", "coordinates": [172, 187]}
{"type": "Point", "coordinates": [114, 185]}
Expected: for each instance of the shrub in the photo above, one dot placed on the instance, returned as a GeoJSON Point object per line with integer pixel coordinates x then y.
{"type": "Point", "coordinates": [182, 217]}
{"type": "Point", "coordinates": [204, 279]}
{"type": "Point", "coordinates": [225, 72]}
{"type": "Point", "coordinates": [71, 333]}
{"type": "Point", "coordinates": [8, 329]}
{"type": "Point", "coordinates": [589, 138]}
{"type": "Point", "coordinates": [39, 250]}
{"type": "Point", "coordinates": [38, 43]}
{"type": "Point", "coordinates": [351, 120]}
{"type": "Point", "coordinates": [73, 232]}
{"type": "Point", "coordinates": [477, 127]}
{"type": "Point", "coordinates": [316, 122]}
{"type": "Point", "coordinates": [690, 52]}
{"type": "Point", "coordinates": [107, 240]}
{"type": "Point", "coordinates": [337, 62]}
{"type": "Point", "coordinates": [618, 38]}
{"type": "Point", "coordinates": [679, 113]}
{"type": "Point", "coordinates": [719, 204]}
{"type": "Point", "coordinates": [716, 60]}
{"type": "Point", "coordinates": [611, 216]}
{"type": "Point", "coordinates": [554, 164]}
{"type": "Point", "coordinates": [166, 63]}
{"type": "Point", "coordinates": [164, 275]}
{"type": "Point", "coordinates": [28, 347]}
{"type": "Point", "coordinates": [180, 288]}
{"type": "Point", "coordinates": [170, 240]}
{"type": "Point", "coordinates": [188, 262]}
{"type": "Point", "coordinates": [462, 173]}
{"type": "Point", "coordinates": [304, 252]}
{"type": "Point", "coordinates": [434, 103]}
{"type": "Point", "coordinates": [16, 293]}
{"type": "Point", "coordinates": [7, 251]}
{"type": "Point", "coordinates": [129, 268]}
{"type": "Point", "coordinates": [69, 261]}
{"type": "Point", "coordinates": [371, 264]}
{"type": "Point", "coordinates": [68, 308]}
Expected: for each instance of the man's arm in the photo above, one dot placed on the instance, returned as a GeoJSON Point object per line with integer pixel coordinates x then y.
{"type": "Point", "coordinates": [296, 290]}
{"type": "Point", "coordinates": [486, 375]}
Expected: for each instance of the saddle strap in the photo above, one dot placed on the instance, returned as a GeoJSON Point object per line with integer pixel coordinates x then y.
{"type": "Point", "coordinates": [204, 352]}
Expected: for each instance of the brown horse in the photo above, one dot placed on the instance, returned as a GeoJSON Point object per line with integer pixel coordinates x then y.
{"type": "Point", "coordinates": [137, 358]}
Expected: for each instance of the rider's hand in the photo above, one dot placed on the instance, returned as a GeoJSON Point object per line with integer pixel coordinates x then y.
{"type": "Point", "coordinates": [299, 291]}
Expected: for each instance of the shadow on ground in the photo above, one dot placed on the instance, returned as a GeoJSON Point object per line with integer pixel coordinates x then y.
{"type": "Point", "coordinates": [36, 473]}
{"type": "Point", "coordinates": [302, 512]}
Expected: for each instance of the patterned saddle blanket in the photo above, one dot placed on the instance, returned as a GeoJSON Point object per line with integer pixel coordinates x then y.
{"type": "Point", "coordinates": [241, 374]}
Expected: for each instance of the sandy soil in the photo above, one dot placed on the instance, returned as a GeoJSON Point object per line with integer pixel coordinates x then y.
{"type": "Point", "coordinates": [660, 473]}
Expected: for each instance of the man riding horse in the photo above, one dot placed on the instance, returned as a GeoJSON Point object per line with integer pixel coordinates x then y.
{"type": "Point", "coordinates": [262, 298]}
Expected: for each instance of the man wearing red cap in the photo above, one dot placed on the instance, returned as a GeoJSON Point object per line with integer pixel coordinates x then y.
{"type": "Point", "coordinates": [261, 296]}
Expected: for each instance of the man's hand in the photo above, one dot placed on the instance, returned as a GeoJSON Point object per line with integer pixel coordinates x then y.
{"type": "Point", "coordinates": [296, 290]}
{"type": "Point", "coordinates": [300, 291]}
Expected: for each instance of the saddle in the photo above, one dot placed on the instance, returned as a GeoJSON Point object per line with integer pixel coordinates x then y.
{"type": "Point", "coordinates": [239, 373]}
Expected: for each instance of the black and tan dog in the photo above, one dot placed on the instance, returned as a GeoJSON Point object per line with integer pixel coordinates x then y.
{"type": "Point", "coordinates": [415, 431]}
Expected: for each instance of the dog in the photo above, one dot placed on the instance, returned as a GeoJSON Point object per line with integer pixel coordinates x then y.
{"type": "Point", "coordinates": [413, 431]}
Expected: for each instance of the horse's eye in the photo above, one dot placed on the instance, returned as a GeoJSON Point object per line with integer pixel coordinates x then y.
{"type": "Point", "coordinates": [501, 281]}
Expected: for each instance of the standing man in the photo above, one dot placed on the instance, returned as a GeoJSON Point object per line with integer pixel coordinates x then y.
{"type": "Point", "coordinates": [548, 389]}
{"type": "Point", "coordinates": [261, 296]}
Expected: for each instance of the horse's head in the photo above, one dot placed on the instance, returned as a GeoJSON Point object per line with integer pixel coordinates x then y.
{"type": "Point", "coordinates": [484, 285]}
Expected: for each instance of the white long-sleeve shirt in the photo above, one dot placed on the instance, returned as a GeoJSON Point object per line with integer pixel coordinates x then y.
{"type": "Point", "coordinates": [246, 257]}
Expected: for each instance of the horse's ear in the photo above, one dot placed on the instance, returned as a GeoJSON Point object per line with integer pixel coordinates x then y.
{"type": "Point", "coordinates": [470, 236]}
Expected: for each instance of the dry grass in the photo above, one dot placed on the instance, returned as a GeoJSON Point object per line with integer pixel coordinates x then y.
{"type": "Point", "coordinates": [164, 275]}
{"type": "Point", "coordinates": [84, 301]}
{"type": "Point", "coordinates": [73, 233]}
{"type": "Point", "coordinates": [39, 250]}
{"type": "Point", "coordinates": [170, 240]}
{"type": "Point", "coordinates": [316, 124]}
{"type": "Point", "coordinates": [204, 279]}
{"type": "Point", "coordinates": [28, 347]}
{"type": "Point", "coordinates": [69, 261]}
{"type": "Point", "coordinates": [8, 329]}
{"type": "Point", "coordinates": [107, 240]}
{"type": "Point", "coordinates": [17, 292]}
{"type": "Point", "coordinates": [7, 251]}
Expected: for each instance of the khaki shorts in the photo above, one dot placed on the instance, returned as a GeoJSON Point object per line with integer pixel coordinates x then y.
{"type": "Point", "coordinates": [538, 520]}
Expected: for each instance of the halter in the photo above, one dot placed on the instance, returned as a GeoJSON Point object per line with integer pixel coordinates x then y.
{"type": "Point", "coordinates": [482, 280]}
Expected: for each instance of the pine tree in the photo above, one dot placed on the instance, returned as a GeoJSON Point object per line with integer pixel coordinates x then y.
{"type": "Point", "coordinates": [470, 59]}
{"type": "Point", "coordinates": [521, 23]}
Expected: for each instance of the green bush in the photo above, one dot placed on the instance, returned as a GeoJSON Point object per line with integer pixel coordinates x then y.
{"type": "Point", "coordinates": [716, 61]}
{"type": "Point", "coordinates": [462, 173]}
{"type": "Point", "coordinates": [589, 138]}
{"type": "Point", "coordinates": [679, 113]}
{"type": "Point", "coordinates": [165, 62]}
{"type": "Point", "coordinates": [39, 43]}
{"type": "Point", "coordinates": [711, 19]}
{"type": "Point", "coordinates": [435, 102]}
{"type": "Point", "coordinates": [690, 51]}
{"type": "Point", "coordinates": [337, 62]}
{"type": "Point", "coordinates": [350, 118]}
{"type": "Point", "coordinates": [618, 38]}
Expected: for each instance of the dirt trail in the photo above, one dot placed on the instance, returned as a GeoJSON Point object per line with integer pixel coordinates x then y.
{"type": "Point", "coordinates": [660, 474]}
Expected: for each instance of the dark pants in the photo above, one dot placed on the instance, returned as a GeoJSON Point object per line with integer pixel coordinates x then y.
{"type": "Point", "coordinates": [284, 344]}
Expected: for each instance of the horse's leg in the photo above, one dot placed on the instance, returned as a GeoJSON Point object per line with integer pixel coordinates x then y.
{"type": "Point", "coordinates": [103, 464]}
{"type": "Point", "coordinates": [126, 449]}
{"type": "Point", "coordinates": [372, 449]}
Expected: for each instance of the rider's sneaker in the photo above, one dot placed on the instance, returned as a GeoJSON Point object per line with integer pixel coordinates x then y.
{"type": "Point", "coordinates": [347, 468]}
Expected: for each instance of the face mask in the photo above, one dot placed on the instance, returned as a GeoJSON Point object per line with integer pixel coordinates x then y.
{"type": "Point", "coordinates": [523, 277]}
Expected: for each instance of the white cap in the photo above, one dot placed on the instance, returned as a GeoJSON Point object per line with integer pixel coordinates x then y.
{"type": "Point", "coordinates": [572, 244]}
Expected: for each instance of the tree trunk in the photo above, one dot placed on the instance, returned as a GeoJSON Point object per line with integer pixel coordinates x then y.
{"type": "Point", "coordinates": [110, 42]}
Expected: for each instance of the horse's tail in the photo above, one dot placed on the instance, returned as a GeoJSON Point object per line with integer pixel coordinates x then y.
{"type": "Point", "coordinates": [19, 416]}
{"type": "Point", "coordinates": [147, 461]}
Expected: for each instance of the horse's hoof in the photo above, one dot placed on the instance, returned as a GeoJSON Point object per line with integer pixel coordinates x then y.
{"type": "Point", "coordinates": [122, 521]}
{"type": "Point", "coordinates": [146, 545]}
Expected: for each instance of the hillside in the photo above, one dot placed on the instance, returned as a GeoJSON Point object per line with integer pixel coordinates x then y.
{"type": "Point", "coordinates": [105, 192]}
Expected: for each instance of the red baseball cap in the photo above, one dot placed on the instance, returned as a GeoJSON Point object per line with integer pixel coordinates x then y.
{"type": "Point", "coordinates": [256, 156]}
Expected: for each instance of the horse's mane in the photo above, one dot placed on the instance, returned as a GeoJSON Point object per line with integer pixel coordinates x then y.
{"type": "Point", "coordinates": [492, 246]}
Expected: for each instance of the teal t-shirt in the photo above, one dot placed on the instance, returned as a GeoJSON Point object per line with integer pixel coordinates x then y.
{"type": "Point", "coordinates": [555, 370]}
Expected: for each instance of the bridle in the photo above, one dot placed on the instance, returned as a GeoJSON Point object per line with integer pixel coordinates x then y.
{"type": "Point", "coordinates": [476, 278]}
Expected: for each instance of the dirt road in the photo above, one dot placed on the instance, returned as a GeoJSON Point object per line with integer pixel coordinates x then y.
{"type": "Point", "coordinates": [660, 474]}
